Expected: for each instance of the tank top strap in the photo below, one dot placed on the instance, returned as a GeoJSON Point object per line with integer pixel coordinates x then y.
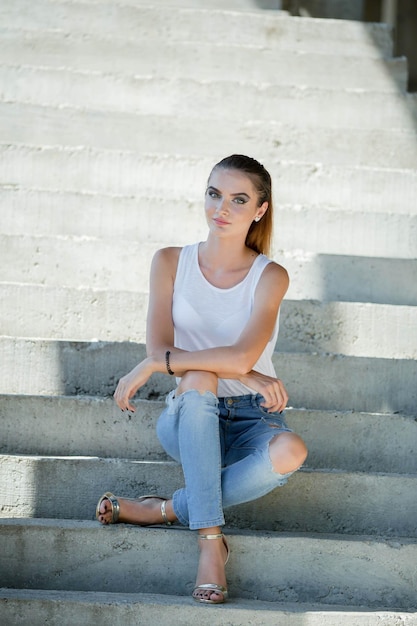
{"type": "Point", "coordinates": [257, 268]}
{"type": "Point", "coordinates": [187, 263]}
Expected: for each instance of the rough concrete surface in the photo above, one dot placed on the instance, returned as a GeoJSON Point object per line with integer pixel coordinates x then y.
{"type": "Point", "coordinates": [355, 329]}
{"type": "Point", "coordinates": [123, 131]}
{"type": "Point", "coordinates": [67, 426]}
{"type": "Point", "coordinates": [318, 568]}
{"type": "Point", "coordinates": [274, 30]}
{"type": "Point", "coordinates": [101, 264]}
{"type": "Point", "coordinates": [185, 97]}
{"type": "Point", "coordinates": [114, 171]}
{"type": "Point", "coordinates": [314, 501]}
{"type": "Point", "coordinates": [82, 609]}
{"type": "Point", "coordinates": [112, 114]}
{"type": "Point", "coordinates": [191, 60]}
{"type": "Point", "coordinates": [72, 368]}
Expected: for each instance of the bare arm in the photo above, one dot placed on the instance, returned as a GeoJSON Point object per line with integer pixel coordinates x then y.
{"type": "Point", "coordinates": [238, 359]}
{"type": "Point", "coordinates": [159, 325]}
{"type": "Point", "coordinates": [235, 361]}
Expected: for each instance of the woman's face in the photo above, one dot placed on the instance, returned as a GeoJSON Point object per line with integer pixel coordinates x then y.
{"type": "Point", "coordinates": [231, 202]}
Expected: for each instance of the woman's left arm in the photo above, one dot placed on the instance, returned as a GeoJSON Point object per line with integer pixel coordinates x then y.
{"type": "Point", "coordinates": [235, 361]}
{"type": "Point", "coordinates": [238, 359]}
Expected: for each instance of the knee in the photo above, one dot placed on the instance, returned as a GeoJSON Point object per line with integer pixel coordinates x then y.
{"type": "Point", "coordinates": [287, 452]}
{"type": "Point", "coordinates": [201, 381]}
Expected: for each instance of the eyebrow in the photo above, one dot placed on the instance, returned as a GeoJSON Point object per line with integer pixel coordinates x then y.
{"type": "Point", "coordinates": [242, 193]}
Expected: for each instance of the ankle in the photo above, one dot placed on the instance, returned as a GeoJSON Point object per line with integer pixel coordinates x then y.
{"type": "Point", "coordinates": [214, 532]}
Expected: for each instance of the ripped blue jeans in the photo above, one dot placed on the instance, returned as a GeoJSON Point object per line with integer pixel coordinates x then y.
{"type": "Point", "coordinates": [222, 445]}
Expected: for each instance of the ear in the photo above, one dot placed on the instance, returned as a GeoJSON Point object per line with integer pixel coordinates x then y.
{"type": "Point", "coordinates": [261, 211]}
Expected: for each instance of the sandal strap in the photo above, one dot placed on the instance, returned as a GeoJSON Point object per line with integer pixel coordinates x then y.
{"type": "Point", "coordinates": [211, 587]}
{"type": "Point", "coordinates": [114, 503]}
{"type": "Point", "coordinates": [219, 536]}
{"type": "Point", "coordinates": [164, 514]}
{"type": "Point", "coordinates": [115, 506]}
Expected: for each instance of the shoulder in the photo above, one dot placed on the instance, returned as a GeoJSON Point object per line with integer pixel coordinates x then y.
{"type": "Point", "coordinates": [171, 253]}
{"type": "Point", "coordinates": [274, 280]}
{"type": "Point", "coordinates": [166, 257]}
{"type": "Point", "coordinates": [164, 264]}
{"type": "Point", "coordinates": [275, 271]}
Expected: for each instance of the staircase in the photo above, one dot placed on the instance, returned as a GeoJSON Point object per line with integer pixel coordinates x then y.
{"type": "Point", "coordinates": [111, 117]}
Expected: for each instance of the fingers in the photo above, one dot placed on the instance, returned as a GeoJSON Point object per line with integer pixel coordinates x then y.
{"type": "Point", "coordinates": [276, 397]}
{"type": "Point", "coordinates": [122, 396]}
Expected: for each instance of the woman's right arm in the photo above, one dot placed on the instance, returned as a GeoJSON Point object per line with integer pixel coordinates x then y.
{"type": "Point", "coordinates": [159, 325]}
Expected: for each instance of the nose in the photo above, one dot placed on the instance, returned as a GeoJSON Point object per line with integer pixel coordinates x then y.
{"type": "Point", "coordinates": [223, 206]}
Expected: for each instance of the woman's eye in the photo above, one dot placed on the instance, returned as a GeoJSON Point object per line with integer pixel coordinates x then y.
{"type": "Point", "coordinates": [240, 200]}
{"type": "Point", "coordinates": [213, 194]}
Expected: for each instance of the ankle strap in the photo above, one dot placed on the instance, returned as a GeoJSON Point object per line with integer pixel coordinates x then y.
{"type": "Point", "coordinates": [219, 536]}
{"type": "Point", "coordinates": [164, 513]}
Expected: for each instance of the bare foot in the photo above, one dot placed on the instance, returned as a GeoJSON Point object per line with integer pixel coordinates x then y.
{"type": "Point", "coordinates": [142, 512]}
{"type": "Point", "coordinates": [211, 569]}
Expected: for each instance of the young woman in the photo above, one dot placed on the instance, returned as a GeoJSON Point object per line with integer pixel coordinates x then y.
{"type": "Point", "coordinates": [213, 323]}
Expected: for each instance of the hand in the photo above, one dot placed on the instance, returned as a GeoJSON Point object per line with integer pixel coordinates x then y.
{"type": "Point", "coordinates": [129, 384]}
{"type": "Point", "coordinates": [272, 389]}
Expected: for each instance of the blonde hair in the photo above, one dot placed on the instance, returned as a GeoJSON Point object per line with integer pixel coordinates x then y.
{"type": "Point", "coordinates": [259, 237]}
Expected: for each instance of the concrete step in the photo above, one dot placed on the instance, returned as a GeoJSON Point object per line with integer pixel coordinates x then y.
{"type": "Point", "coordinates": [332, 108]}
{"type": "Point", "coordinates": [21, 606]}
{"type": "Point", "coordinates": [318, 501]}
{"type": "Point", "coordinates": [173, 135]}
{"type": "Point", "coordinates": [356, 329]}
{"type": "Point", "coordinates": [312, 568]}
{"type": "Point", "coordinates": [235, 5]}
{"type": "Point", "coordinates": [101, 264]}
{"type": "Point", "coordinates": [340, 383]}
{"type": "Point", "coordinates": [216, 62]}
{"type": "Point", "coordinates": [71, 214]}
{"type": "Point", "coordinates": [81, 314]}
{"type": "Point", "coordinates": [131, 173]}
{"type": "Point", "coordinates": [94, 426]}
{"type": "Point", "coordinates": [273, 30]}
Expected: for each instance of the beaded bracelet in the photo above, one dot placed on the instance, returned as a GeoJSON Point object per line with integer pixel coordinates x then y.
{"type": "Point", "coordinates": [169, 370]}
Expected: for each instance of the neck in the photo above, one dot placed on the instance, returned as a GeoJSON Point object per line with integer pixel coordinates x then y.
{"type": "Point", "coordinates": [224, 253]}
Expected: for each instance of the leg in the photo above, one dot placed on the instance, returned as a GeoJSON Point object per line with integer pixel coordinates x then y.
{"type": "Point", "coordinates": [200, 502]}
{"type": "Point", "coordinates": [214, 556]}
{"type": "Point", "coordinates": [261, 451]}
{"type": "Point", "coordinates": [287, 452]}
{"type": "Point", "coordinates": [189, 427]}
{"type": "Point", "coordinates": [148, 511]}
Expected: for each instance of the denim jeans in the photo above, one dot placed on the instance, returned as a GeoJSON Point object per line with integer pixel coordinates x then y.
{"type": "Point", "coordinates": [223, 447]}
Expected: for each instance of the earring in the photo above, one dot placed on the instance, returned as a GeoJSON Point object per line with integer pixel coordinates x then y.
{"type": "Point", "coordinates": [257, 219]}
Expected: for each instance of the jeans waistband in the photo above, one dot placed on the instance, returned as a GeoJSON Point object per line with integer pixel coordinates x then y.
{"type": "Point", "coordinates": [249, 400]}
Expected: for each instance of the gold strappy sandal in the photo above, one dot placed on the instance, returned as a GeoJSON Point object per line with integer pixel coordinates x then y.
{"type": "Point", "coordinates": [213, 587]}
{"type": "Point", "coordinates": [115, 507]}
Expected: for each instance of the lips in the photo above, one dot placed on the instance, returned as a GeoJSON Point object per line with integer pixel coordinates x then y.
{"type": "Point", "coordinates": [220, 222]}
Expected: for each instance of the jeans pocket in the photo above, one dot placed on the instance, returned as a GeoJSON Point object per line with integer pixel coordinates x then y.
{"type": "Point", "coordinates": [274, 419]}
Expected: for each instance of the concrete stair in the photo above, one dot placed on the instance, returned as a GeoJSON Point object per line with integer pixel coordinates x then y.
{"type": "Point", "coordinates": [111, 116]}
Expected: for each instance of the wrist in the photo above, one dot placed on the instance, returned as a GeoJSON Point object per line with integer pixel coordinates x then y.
{"type": "Point", "coordinates": [244, 378]}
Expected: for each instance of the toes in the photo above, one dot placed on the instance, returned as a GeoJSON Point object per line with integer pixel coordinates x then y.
{"type": "Point", "coordinates": [208, 594]}
{"type": "Point", "coordinates": [103, 507]}
{"type": "Point", "coordinates": [104, 516]}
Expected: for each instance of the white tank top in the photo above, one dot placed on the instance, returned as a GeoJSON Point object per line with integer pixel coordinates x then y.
{"type": "Point", "coordinates": [206, 316]}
